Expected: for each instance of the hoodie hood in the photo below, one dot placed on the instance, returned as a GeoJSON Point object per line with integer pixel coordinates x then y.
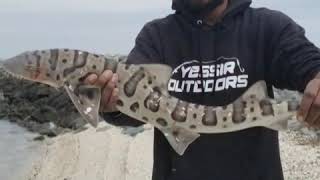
{"type": "Point", "coordinates": [234, 7]}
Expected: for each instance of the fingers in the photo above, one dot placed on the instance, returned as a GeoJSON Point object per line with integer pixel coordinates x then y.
{"type": "Point", "coordinates": [310, 105]}
{"type": "Point", "coordinates": [91, 79]}
{"type": "Point", "coordinates": [114, 97]}
{"type": "Point", "coordinates": [108, 83]}
{"type": "Point", "coordinates": [104, 78]}
{"type": "Point", "coordinates": [110, 92]}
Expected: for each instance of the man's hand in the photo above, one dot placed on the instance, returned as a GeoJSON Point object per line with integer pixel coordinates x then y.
{"type": "Point", "coordinates": [310, 106]}
{"type": "Point", "coordinates": [108, 83]}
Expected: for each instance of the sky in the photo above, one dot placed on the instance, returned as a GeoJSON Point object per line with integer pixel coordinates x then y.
{"type": "Point", "coordinates": [106, 26]}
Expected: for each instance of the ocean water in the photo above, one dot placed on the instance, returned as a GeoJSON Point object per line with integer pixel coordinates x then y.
{"type": "Point", "coordinates": [17, 151]}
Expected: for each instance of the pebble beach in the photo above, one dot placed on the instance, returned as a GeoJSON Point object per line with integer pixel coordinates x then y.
{"type": "Point", "coordinates": [107, 154]}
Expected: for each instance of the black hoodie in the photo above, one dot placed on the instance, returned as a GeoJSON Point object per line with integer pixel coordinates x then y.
{"type": "Point", "coordinates": [213, 65]}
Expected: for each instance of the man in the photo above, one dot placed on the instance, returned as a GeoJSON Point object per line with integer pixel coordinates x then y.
{"type": "Point", "coordinates": [219, 48]}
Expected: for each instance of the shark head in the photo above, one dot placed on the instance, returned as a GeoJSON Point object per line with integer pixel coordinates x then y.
{"type": "Point", "coordinates": [28, 66]}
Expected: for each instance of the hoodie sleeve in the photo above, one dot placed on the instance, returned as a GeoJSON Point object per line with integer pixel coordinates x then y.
{"type": "Point", "coordinates": [294, 60]}
{"type": "Point", "coordinates": [144, 51]}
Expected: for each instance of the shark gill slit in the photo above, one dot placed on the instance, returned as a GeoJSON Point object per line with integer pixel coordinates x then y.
{"type": "Point", "coordinates": [130, 86]}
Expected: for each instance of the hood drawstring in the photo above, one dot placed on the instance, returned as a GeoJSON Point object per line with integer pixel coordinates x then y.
{"type": "Point", "coordinates": [200, 23]}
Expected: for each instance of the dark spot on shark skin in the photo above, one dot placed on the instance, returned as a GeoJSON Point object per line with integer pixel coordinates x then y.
{"type": "Point", "coordinates": [79, 61]}
{"type": "Point", "coordinates": [127, 66]}
{"type": "Point", "coordinates": [150, 81]}
{"type": "Point", "coordinates": [37, 69]}
{"type": "Point", "coordinates": [210, 117]}
{"type": "Point", "coordinates": [244, 104]}
{"type": "Point", "coordinates": [145, 87]}
{"type": "Point", "coordinates": [224, 119]}
{"type": "Point", "coordinates": [175, 133]}
{"type": "Point", "coordinates": [64, 61]}
{"type": "Point", "coordinates": [145, 119]}
{"type": "Point", "coordinates": [254, 118]}
{"type": "Point", "coordinates": [238, 114]}
{"type": "Point", "coordinates": [94, 67]}
{"type": "Point", "coordinates": [266, 107]}
{"type": "Point", "coordinates": [194, 116]}
{"type": "Point", "coordinates": [130, 86]}
{"type": "Point", "coordinates": [58, 77]}
{"type": "Point", "coordinates": [134, 107]}
{"type": "Point", "coordinates": [152, 102]}
{"type": "Point", "coordinates": [180, 112]}
{"type": "Point", "coordinates": [120, 103]}
{"type": "Point", "coordinates": [53, 60]}
{"type": "Point", "coordinates": [48, 75]}
{"type": "Point", "coordinates": [253, 96]}
{"type": "Point", "coordinates": [193, 127]}
{"type": "Point", "coordinates": [162, 122]}
{"type": "Point", "coordinates": [252, 109]}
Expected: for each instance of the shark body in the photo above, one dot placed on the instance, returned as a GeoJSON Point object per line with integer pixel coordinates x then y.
{"type": "Point", "coordinates": [144, 96]}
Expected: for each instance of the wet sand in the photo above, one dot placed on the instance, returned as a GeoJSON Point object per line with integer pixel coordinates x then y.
{"type": "Point", "coordinates": [18, 151]}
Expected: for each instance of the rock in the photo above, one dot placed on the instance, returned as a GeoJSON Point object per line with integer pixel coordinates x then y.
{"type": "Point", "coordinates": [45, 114]}
{"type": "Point", "coordinates": [34, 105]}
{"type": "Point", "coordinates": [2, 98]}
{"type": "Point", "coordinates": [39, 138]}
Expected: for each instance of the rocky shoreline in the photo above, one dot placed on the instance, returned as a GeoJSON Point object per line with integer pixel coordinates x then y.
{"type": "Point", "coordinates": [37, 107]}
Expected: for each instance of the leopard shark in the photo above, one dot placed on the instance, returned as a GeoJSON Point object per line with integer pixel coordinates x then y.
{"type": "Point", "coordinates": [143, 95]}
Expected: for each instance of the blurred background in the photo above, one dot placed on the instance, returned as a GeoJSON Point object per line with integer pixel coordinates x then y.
{"type": "Point", "coordinates": [105, 26]}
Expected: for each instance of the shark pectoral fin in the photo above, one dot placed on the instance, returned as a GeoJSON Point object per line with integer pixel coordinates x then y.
{"type": "Point", "coordinates": [180, 138]}
{"type": "Point", "coordinates": [87, 101]}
